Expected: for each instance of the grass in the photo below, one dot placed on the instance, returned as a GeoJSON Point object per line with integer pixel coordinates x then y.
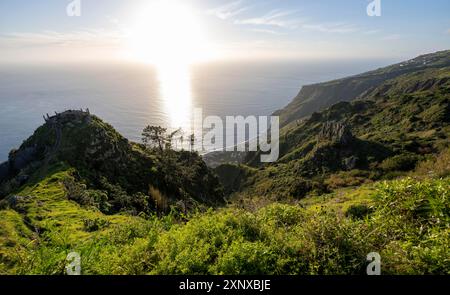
{"type": "Point", "coordinates": [342, 199]}
{"type": "Point", "coordinates": [409, 226]}
{"type": "Point", "coordinates": [406, 220]}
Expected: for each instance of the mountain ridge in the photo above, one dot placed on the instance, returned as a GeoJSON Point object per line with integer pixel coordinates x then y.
{"type": "Point", "coordinates": [385, 131]}
{"type": "Point", "coordinates": [317, 97]}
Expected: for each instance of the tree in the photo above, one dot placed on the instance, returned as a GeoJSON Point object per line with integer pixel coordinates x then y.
{"type": "Point", "coordinates": [172, 138]}
{"type": "Point", "coordinates": [154, 136]}
{"type": "Point", "coordinates": [192, 142]}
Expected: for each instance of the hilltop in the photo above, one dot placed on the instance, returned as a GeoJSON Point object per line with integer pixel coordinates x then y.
{"type": "Point", "coordinates": [133, 177]}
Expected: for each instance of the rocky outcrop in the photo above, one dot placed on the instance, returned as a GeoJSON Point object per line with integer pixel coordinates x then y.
{"type": "Point", "coordinates": [4, 171]}
{"type": "Point", "coordinates": [17, 161]}
{"type": "Point", "coordinates": [29, 153]}
{"type": "Point", "coordinates": [350, 163]}
{"type": "Point", "coordinates": [21, 158]}
{"type": "Point", "coordinates": [336, 132]}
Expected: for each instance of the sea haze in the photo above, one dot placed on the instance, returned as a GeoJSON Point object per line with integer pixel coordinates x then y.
{"type": "Point", "coordinates": [129, 97]}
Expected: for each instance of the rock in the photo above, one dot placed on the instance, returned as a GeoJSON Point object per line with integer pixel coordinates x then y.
{"type": "Point", "coordinates": [350, 163]}
{"type": "Point", "coordinates": [21, 179]}
{"type": "Point", "coordinates": [4, 171]}
{"type": "Point", "coordinates": [14, 201]}
{"type": "Point", "coordinates": [22, 158]}
{"type": "Point", "coordinates": [336, 132]}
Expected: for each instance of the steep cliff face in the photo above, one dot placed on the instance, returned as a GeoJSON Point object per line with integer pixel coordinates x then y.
{"type": "Point", "coordinates": [317, 97]}
{"type": "Point", "coordinates": [313, 98]}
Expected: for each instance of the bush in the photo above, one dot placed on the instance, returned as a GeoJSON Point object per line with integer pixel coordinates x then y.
{"type": "Point", "coordinates": [91, 225]}
{"type": "Point", "coordinates": [408, 225]}
{"type": "Point", "coordinates": [403, 162]}
{"type": "Point", "coordinates": [358, 211]}
{"type": "Point", "coordinates": [439, 166]}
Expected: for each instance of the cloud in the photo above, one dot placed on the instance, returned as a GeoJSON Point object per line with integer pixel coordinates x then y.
{"type": "Point", "coordinates": [86, 45]}
{"type": "Point", "coordinates": [229, 10]}
{"type": "Point", "coordinates": [266, 31]}
{"type": "Point", "coordinates": [285, 19]}
{"type": "Point", "coordinates": [371, 32]}
{"type": "Point", "coordinates": [86, 37]}
{"type": "Point", "coordinates": [340, 28]}
{"type": "Point", "coordinates": [275, 18]}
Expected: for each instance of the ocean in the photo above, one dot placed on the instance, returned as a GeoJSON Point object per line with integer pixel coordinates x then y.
{"type": "Point", "coordinates": [129, 97]}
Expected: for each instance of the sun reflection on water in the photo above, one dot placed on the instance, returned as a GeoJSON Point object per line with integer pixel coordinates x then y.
{"type": "Point", "coordinates": [176, 93]}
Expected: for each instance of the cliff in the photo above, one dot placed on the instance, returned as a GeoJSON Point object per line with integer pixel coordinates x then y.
{"type": "Point", "coordinates": [317, 97]}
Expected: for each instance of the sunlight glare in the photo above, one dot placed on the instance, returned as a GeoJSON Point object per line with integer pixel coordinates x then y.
{"type": "Point", "coordinates": [175, 88]}
{"type": "Point", "coordinates": [168, 32]}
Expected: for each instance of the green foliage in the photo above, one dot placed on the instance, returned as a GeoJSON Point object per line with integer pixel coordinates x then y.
{"type": "Point", "coordinates": [91, 225]}
{"type": "Point", "coordinates": [154, 136]}
{"type": "Point", "coordinates": [358, 211]}
{"type": "Point", "coordinates": [426, 203]}
{"type": "Point", "coordinates": [130, 209]}
{"type": "Point", "coordinates": [407, 223]}
{"type": "Point", "coordinates": [438, 166]}
{"type": "Point", "coordinates": [403, 162]}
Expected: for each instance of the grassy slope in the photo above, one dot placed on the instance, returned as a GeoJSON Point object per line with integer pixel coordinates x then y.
{"type": "Point", "coordinates": [407, 222]}
{"type": "Point", "coordinates": [401, 121]}
{"type": "Point", "coordinates": [44, 212]}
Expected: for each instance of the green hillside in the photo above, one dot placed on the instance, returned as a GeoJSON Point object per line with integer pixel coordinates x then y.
{"type": "Point", "coordinates": [368, 172]}
{"type": "Point", "coordinates": [317, 97]}
{"type": "Point", "coordinates": [405, 220]}
{"type": "Point", "coordinates": [108, 170]}
{"type": "Point", "coordinates": [378, 136]}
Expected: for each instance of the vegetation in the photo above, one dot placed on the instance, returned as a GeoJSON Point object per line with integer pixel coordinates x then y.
{"type": "Point", "coordinates": [370, 175]}
{"type": "Point", "coordinates": [406, 221]}
{"type": "Point", "coordinates": [380, 135]}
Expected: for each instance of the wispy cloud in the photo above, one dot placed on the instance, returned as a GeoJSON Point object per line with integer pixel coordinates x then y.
{"type": "Point", "coordinates": [84, 45]}
{"type": "Point", "coordinates": [229, 10]}
{"type": "Point", "coordinates": [266, 31]}
{"type": "Point", "coordinates": [275, 18]}
{"type": "Point", "coordinates": [340, 28]}
{"type": "Point", "coordinates": [289, 19]}
{"type": "Point", "coordinates": [372, 32]}
{"type": "Point", "coordinates": [87, 37]}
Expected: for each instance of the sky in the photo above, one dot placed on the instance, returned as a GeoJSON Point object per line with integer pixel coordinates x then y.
{"type": "Point", "coordinates": [197, 30]}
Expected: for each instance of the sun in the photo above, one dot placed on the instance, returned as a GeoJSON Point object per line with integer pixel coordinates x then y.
{"type": "Point", "coordinates": [168, 32]}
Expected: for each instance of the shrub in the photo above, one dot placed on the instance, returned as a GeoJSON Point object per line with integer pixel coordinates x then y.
{"type": "Point", "coordinates": [408, 225]}
{"type": "Point", "coordinates": [358, 211]}
{"type": "Point", "coordinates": [91, 225]}
{"type": "Point", "coordinates": [403, 162]}
{"type": "Point", "coordinates": [437, 167]}
{"type": "Point", "coordinates": [247, 258]}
